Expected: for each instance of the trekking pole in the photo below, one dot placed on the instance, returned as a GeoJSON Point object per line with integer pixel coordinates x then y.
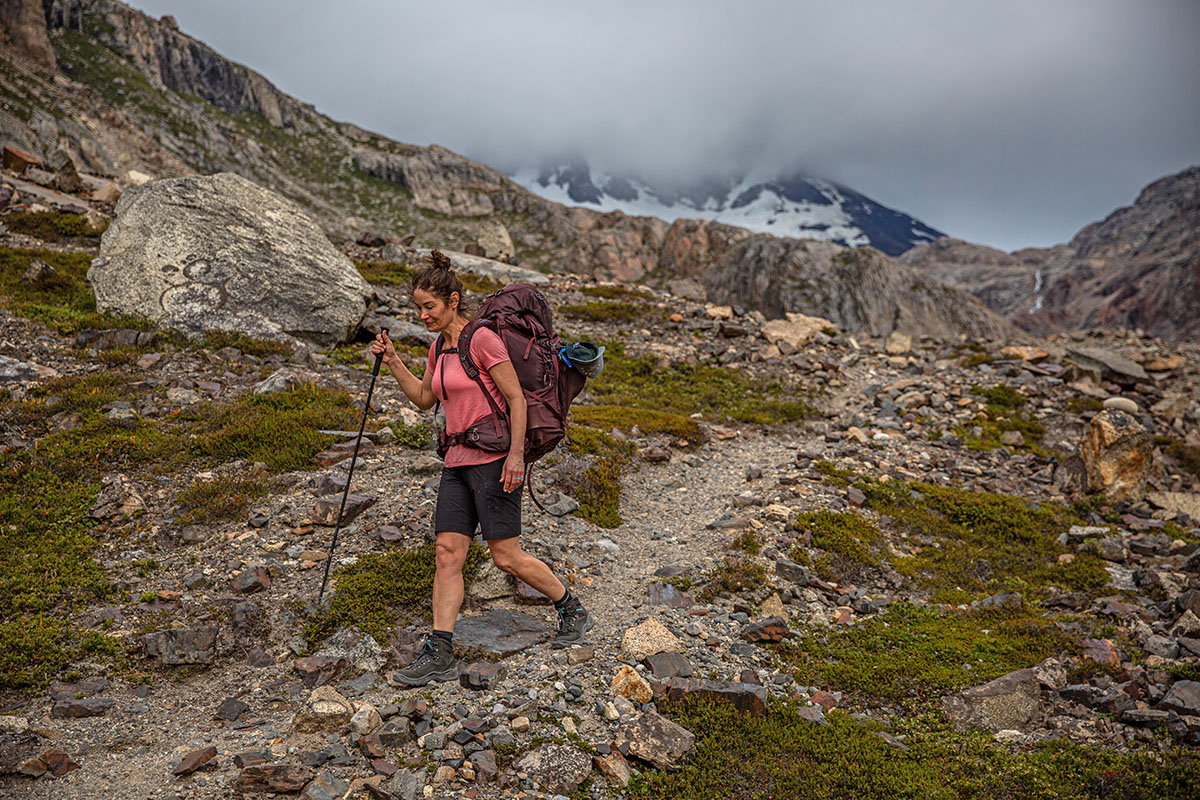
{"type": "Point", "coordinates": [350, 474]}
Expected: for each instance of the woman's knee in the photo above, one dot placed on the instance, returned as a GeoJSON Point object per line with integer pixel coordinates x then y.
{"type": "Point", "coordinates": [507, 559]}
{"type": "Point", "coordinates": [449, 557]}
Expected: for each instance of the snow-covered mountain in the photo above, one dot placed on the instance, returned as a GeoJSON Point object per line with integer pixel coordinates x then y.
{"type": "Point", "coordinates": [794, 205]}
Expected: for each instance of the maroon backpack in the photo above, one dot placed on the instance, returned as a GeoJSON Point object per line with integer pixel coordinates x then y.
{"type": "Point", "coordinates": [521, 317]}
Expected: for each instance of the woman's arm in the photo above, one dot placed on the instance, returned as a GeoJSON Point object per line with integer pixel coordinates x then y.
{"type": "Point", "coordinates": [418, 390]}
{"type": "Point", "coordinates": [505, 378]}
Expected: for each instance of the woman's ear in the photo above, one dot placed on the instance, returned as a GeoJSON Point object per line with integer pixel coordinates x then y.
{"type": "Point", "coordinates": [454, 300]}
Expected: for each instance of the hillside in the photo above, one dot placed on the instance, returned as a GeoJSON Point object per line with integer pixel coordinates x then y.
{"type": "Point", "coordinates": [1137, 268]}
{"type": "Point", "coordinates": [121, 91]}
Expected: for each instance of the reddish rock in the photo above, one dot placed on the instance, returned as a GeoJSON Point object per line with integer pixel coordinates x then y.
{"type": "Point", "coordinates": [1102, 651]}
{"type": "Point", "coordinates": [342, 451]}
{"type": "Point", "coordinates": [482, 675]}
{"type": "Point", "coordinates": [825, 700]}
{"type": "Point", "coordinates": [254, 578]}
{"type": "Point", "coordinates": [275, 778]}
{"type": "Point", "coordinates": [57, 762]}
{"type": "Point", "coordinates": [18, 160]}
{"type": "Point", "coordinates": [194, 760]}
{"type": "Point", "coordinates": [771, 629]}
{"type": "Point", "coordinates": [372, 747]}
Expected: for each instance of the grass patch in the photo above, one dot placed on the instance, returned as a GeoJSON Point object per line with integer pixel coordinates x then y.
{"type": "Point", "coordinates": [250, 345]}
{"type": "Point", "coordinates": [977, 543]}
{"type": "Point", "coordinates": [385, 273]}
{"type": "Point", "coordinates": [834, 475]}
{"type": "Point", "coordinates": [52, 226]}
{"type": "Point", "coordinates": [418, 437]}
{"type": "Point", "coordinates": [37, 648]}
{"type": "Point", "coordinates": [1187, 455]}
{"type": "Point", "coordinates": [848, 540]}
{"type": "Point", "coordinates": [1002, 415]}
{"type": "Point", "coordinates": [731, 576]}
{"type": "Point", "coordinates": [782, 755]}
{"type": "Point", "coordinates": [599, 490]}
{"type": "Point", "coordinates": [1080, 405]}
{"type": "Point", "coordinates": [644, 419]}
{"type": "Point", "coordinates": [912, 655]}
{"type": "Point", "coordinates": [281, 430]}
{"type": "Point", "coordinates": [382, 590]}
{"type": "Point", "coordinates": [748, 542]}
{"type": "Point", "coordinates": [222, 498]}
{"type": "Point", "coordinates": [685, 389]}
{"type": "Point", "coordinates": [614, 293]}
{"type": "Point", "coordinates": [64, 301]}
{"type": "Point", "coordinates": [607, 311]}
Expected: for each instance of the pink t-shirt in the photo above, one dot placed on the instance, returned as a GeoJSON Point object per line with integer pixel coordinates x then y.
{"type": "Point", "coordinates": [466, 404]}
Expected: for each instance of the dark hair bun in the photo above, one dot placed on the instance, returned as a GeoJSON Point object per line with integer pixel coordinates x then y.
{"type": "Point", "coordinates": [439, 260]}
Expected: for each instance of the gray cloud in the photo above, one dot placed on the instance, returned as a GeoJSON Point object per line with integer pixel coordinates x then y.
{"type": "Point", "coordinates": [1011, 124]}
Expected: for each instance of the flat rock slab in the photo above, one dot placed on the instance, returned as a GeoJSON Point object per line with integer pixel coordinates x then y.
{"type": "Point", "coordinates": [668, 665]}
{"type": "Point", "coordinates": [557, 768]}
{"type": "Point", "coordinates": [344, 450]}
{"type": "Point", "coordinates": [177, 646]}
{"type": "Point", "coordinates": [1009, 702]}
{"type": "Point", "coordinates": [326, 512]}
{"type": "Point", "coordinates": [84, 707]}
{"type": "Point", "coordinates": [1183, 698]}
{"type": "Point", "coordinates": [501, 631]}
{"type": "Point", "coordinates": [664, 594]}
{"type": "Point", "coordinates": [771, 629]}
{"type": "Point", "coordinates": [656, 740]}
{"type": "Point", "coordinates": [748, 698]}
{"type": "Point", "coordinates": [194, 760]}
{"type": "Point", "coordinates": [274, 778]}
{"type": "Point", "coordinates": [1111, 365]}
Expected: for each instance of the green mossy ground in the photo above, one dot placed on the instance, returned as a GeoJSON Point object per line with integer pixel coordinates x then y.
{"type": "Point", "coordinates": [972, 544]}
{"type": "Point", "coordinates": [382, 590]}
{"type": "Point", "coordinates": [1002, 414]}
{"type": "Point", "coordinates": [623, 311]}
{"type": "Point", "coordinates": [259, 348]}
{"type": "Point", "coordinates": [733, 575]}
{"type": "Point", "coordinates": [683, 389]}
{"type": "Point", "coordinates": [65, 301]}
{"type": "Point", "coordinates": [225, 497]}
{"type": "Point", "coordinates": [850, 541]}
{"type": "Point", "coordinates": [912, 655]}
{"type": "Point", "coordinates": [646, 420]}
{"type": "Point", "coordinates": [782, 755]}
{"type": "Point", "coordinates": [46, 564]}
{"type": "Point", "coordinates": [53, 226]}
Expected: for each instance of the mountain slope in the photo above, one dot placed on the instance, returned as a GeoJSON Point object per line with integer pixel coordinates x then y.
{"type": "Point", "coordinates": [135, 93]}
{"type": "Point", "coordinates": [789, 205]}
{"type": "Point", "coordinates": [1137, 268]}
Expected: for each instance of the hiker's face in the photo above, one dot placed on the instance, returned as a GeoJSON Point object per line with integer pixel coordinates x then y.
{"type": "Point", "coordinates": [435, 312]}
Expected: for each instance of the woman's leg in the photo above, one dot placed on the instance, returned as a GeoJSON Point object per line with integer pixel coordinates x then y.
{"type": "Point", "coordinates": [451, 552]}
{"type": "Point", "coordinates": [509, 557]}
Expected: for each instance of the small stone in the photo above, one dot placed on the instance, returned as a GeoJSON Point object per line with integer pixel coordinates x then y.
{"type": "Point", "coordinates": [770, 630]}
{"type": "Point", "coordinates": [482, 675]}
{"type": "Point", "coordinates": [326, 512]}
{"type": "Point", "coordinates": [325, 710]}
{"type": "Point", "coordinates": [326, 786]}
{"type": "Point", "coordinates": [1122, 404]}
{"type": "Point", "coordinates": [520, 724]}
{"type": "Point", "coordinates": [668, 665]}
{"type": "Point", "coordinates": [629, 684]}
{"type": "Point", "coordinates": [656, 739]}
{"type": "Point", "coordinates": [556, 768]}
{"type": "Point", "coordinates": [230, 709]}
{"type": "Point", "coordinates": [365, 720]}
{"type": "Point", "coordinates": [648, 638]}
{"type": "Point", "coordinates": [194, 760]}
{"type": "Point", "coordinates": [84, 707]}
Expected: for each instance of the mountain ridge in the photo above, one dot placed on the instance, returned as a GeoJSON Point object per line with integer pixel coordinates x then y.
{"type": "Point", "coordinates": [792, 205]}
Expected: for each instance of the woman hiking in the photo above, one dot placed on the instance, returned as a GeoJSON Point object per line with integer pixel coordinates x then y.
{"type": "Point", "coordinates": [478, 488]}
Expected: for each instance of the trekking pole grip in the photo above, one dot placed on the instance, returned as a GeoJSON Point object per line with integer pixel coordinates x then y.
{"type": "Point", "coordinates": [379, 356]}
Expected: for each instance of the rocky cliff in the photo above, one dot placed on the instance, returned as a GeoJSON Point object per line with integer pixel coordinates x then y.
{"type": "Point", "coordinates": [135, 93]}
{"type": "Point", "coordinates": [1137, 268]}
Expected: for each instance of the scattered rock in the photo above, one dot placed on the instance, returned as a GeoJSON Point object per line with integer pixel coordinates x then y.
{"type": "Point", "coordinates": [178, 646]}
{"type": "Point", "coordinates": [326, 512]}
{"type": "Point", "coordinates": [556, 768]}
{"type": "Point", "coordinates": [656, 740]}
{"type": "Point", "coordinates": [748, 698]}
{"type": "Point", "coordinates": [118, 499]}
{"type": "Point", "coordinates": [501, 631]}
{"type": "Point", "coordinates": [286, 379]}
{"type": "Point", "coordinates": [629, 684]}
{"type": "Point", "coordinates": [325, 710]}
{"type": "Point", "coordinates": [1117, 454]}
{"type": "Point", "coordinates": [648, 638]}
{"type": "Point", "coordinates": [1009, 702]}
{"type": "Point", "coordinates": [273, 778]}
{"type": "Point", "coordinates": [194, 761]}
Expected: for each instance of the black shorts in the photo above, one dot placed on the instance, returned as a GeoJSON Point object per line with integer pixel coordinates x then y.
{"type": "Point", "coordinates": [473, 495]}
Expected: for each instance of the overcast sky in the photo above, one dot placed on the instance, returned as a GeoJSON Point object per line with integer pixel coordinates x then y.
{"type": "Point", "coordinates": [1010, 123]}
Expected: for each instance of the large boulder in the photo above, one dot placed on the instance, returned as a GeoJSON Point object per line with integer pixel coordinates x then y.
{"type": "Point", "coordinates": [1117, 454]}
{"type": "Point", "coordinates": [220, 252]}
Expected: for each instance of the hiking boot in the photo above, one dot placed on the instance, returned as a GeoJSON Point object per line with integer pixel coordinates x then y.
{"type": "Point", "coordinates": [573, 622]}
{"type": "Point", "coordinates": [434, 662]}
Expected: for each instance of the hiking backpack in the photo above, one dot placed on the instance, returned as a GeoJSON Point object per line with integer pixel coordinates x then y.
{"type": "Point", "coordinates": [521, 317]}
